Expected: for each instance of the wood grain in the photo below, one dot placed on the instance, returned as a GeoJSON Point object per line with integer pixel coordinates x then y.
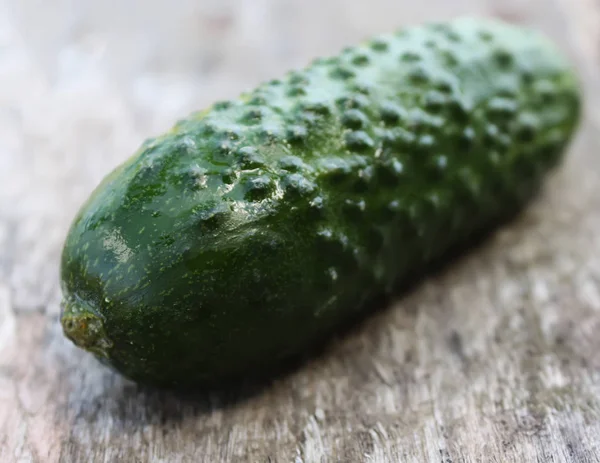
{"type": "Point", "coordinates": [494, 359]}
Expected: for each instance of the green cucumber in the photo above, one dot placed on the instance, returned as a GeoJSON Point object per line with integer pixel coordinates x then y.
{"type": "Point", "coordinates": [256, 227]}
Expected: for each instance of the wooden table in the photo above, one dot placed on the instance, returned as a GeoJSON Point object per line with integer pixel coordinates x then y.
{"type": "Point", "coordinates": [495, 359]}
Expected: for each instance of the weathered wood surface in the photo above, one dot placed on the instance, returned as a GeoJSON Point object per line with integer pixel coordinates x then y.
{"type": "Point", "coordinates": [495, 359]}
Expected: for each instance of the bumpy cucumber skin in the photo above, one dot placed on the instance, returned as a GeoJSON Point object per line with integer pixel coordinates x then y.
{"type": "Point", "coordinates": [257, 226]}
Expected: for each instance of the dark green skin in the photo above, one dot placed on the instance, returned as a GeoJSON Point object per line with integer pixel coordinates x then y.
{"type": "Point", "coordinates": [258, 226]}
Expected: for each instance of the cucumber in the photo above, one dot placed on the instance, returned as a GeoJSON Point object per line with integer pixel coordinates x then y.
{"type": "Point", "coordinates": [257, 227]}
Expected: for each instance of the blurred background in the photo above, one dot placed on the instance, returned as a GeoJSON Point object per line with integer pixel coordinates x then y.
{"type": "Point", "coordinates": [501, 355]}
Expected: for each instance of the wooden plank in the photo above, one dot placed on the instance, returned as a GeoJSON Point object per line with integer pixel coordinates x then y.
{"type": "Point", "coordinates": [495, 359]}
